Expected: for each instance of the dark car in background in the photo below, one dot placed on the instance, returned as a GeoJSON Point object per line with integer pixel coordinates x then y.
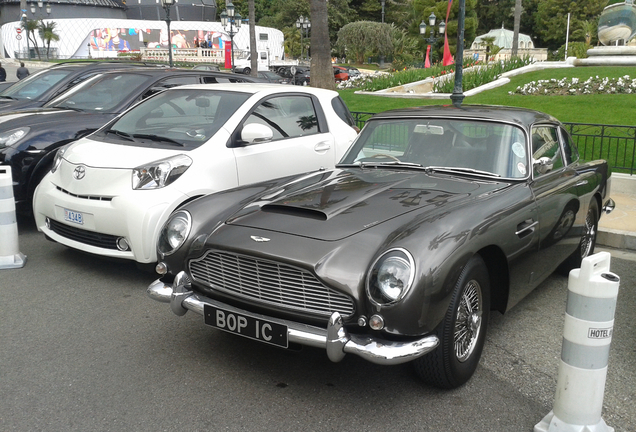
{"type": "Point", "coordinates": [40, 87]}
{"type": "Point", "coordinates": [298, 75]}
{"type": "Point", "coordinates": [30, 138]}
{"type": "Point", "coordinates": [272, 77]}
{"type": "Point", "coordinates": [435, 216]}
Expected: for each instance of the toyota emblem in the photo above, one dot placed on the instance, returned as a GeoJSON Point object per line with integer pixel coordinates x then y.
{"type": "Point", "coordinates": [79, 172]}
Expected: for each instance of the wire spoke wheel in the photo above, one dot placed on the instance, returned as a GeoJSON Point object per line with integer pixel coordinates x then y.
{"type": "Point", "coordinates": [462, 332]}
{"type": "Point", "coordinates": [468, 321]}
{"type": "Point", "coordinates": [589, 236]}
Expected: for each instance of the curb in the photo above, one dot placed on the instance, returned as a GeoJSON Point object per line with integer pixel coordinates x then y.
{"type": "Point", "coordinates": [616, 239]}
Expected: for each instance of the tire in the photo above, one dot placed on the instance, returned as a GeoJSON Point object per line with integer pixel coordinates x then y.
{"type": "Point", "coordinates": [462, 332]}
{"type": "Point", "coordinates": [247, 71]}
{"type": "Point", "coordinates": [587, 243]}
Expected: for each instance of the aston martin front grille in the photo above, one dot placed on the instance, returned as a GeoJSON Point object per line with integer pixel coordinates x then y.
{"type": "Point", "coordinates": [105, 241]}
{"type": "Point", "coordinates": [269, 283]}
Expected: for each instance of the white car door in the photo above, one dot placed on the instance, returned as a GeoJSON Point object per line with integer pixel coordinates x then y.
{"type": "Point", "coordinates": [298, 144]}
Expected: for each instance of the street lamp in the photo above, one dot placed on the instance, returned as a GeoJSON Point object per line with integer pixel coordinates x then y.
{"type": "Point", "coordinates": [303, 24]}
{"type": "Point", "coordinates": [167, 4]}
{"type": "Point", "coordinates": [234, 20]}
{"type": "Point", "coordinates": [440, 31]}
{"type": "Point", "coordinates": [383, 4]}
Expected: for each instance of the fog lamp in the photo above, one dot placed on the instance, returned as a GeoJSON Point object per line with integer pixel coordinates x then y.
{"type": "Point", "coordinates": [161, 268]}
{"type": "Point", "coordinates": [122, 244]}
{"type": "Point", "coordinates": [376, 322]}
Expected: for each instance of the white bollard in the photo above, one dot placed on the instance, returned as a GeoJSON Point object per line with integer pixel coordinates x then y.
{"type": "Point", "coordinates": [587, 334]}
{"type": "Point", "coordinates": [10, 256]}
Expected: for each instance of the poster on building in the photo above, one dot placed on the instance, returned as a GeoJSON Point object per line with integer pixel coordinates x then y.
{"type": "Point", "coordinates": [132, 39]}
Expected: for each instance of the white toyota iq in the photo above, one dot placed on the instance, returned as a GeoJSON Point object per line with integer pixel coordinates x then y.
{"type": "Point", "coordinates": [111, 192]}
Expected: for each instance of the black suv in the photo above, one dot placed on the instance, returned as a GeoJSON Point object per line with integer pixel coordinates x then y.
{"type": "Point", "coordinates": [30, 137]}
{"type": "Point", "coordinates": [40, 87]}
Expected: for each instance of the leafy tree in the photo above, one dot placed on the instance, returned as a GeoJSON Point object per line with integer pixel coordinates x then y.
{"type": "Point", "coordinates": [362, 38]}
{"type": "Point", "coordinates": [552, 15]}
{"type": "Point", "coordinates": [292, 42]}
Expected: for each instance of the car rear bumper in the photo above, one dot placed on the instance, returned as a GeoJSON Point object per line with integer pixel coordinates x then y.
{"type": "Point", "coordinates": [335, 339]}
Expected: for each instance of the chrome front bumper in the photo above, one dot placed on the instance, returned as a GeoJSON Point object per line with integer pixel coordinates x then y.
{"type": "Point", "coordinates": [335, 339]}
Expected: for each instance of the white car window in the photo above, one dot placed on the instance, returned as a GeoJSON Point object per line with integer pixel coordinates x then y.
{"type": "Point", "coordinates": [287, 116]}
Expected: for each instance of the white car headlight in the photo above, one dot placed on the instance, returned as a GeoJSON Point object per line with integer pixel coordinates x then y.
{"type": "Point", "coordinates": [9, 138]}
{"type": "Point", "coordinates": [59, 155]}
{"type": "Point", "coordinates": [174, 232]}
{"type": "Point", "coordinates": [160, 173]}
{"type": "Point", "coordinates": [391, 277]}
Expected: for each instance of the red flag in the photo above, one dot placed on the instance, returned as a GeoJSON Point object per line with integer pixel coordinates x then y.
{"type": "Point", "coordinates": [427, 62]}
{"type": "Point", "coordinates": [448, 58]}
{"type": "Point", "coordinates": [228, 55]}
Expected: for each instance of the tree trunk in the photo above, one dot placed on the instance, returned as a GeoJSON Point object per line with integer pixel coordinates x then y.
{"type": "Point", "coordinates": [321, 70]}
{"type": "Point", "coordinates": [253, 48]}
{"type": "Point", "coordinates": [515, 37]}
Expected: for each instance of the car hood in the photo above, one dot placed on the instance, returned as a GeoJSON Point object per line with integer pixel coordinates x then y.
{"type": "Point", "coordinates": [97, 154]}
{"type": "Point", "coordinates": [333, 205]}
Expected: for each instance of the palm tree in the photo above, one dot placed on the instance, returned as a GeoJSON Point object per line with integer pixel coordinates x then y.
{"type": "Point", "coordinates": [586, 31]}
{"type": "Point", "coordinates": [30, 26]}
{"type": "Point", "coordinates": [321, 70]}
{"type": "Point", "coordinates": [47, 34]}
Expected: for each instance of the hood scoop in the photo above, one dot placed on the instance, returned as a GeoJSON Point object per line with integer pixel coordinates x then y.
{"type": "Point", "coordinates": [294, 211]}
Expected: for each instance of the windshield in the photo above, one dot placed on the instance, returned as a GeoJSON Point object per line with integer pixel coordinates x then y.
{"type": "Point", "coordinates": [179, 117]}
{"type": "Point", "coordinates": [458, 145]}
{"type": "Point", "coordinates": [35, 85]}
{"type": "Point", "coordinates": [101, 93]}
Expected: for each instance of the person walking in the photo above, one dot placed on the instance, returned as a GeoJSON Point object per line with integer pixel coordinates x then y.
{"type": "Point", "coordinates": [3, 74]}
{"type": "Point", "coordinates": [22, 71]}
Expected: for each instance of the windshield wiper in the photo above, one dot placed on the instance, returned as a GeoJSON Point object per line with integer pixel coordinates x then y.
{"type": "Point", "coordinates": [120, 134]}
{"type": "Point", "coordinates": [463, 170]}
{"type": "Point", "coordinates": [392, 163]}
{"type": "Point", "coordinates": [9, 97]}
{"type": "Point", "coordinates": [158, 138]}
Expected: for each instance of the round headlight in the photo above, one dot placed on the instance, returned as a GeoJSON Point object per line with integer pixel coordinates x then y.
{"type": "Point", "coordinates": [391, 276]}
{"type": "Point", "coordinates": [174, 232]}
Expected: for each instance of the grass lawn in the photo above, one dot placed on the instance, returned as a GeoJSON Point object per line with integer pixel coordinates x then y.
{"type": "Point", "coordinates": [617, 109]}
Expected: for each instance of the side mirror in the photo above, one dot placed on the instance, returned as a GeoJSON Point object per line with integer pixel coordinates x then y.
{"type": "Point", "coordinates": [256, 133]}
{"type": "Point", "coordinates": [542, 165]}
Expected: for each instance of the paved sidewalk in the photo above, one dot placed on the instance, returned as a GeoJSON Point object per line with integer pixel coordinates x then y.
{"type": "Point", "coordinates": [618, 229]}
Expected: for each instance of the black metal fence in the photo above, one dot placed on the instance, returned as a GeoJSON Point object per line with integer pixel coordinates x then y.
{"type": "Point", "coordinates": [615, 144]}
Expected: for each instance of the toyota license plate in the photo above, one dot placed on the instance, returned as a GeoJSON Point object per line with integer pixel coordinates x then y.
{"type": "Point", "coordinates": [74, 217]}
{"type": "Point", "coordinates": [247, 326]}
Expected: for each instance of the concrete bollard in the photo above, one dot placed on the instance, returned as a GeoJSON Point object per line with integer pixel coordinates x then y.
{"type": "Point", "coordinates": [10, 256]}
{"type": "Point", "coordinates": [587, 334]}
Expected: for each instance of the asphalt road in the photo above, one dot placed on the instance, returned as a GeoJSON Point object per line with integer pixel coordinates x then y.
{"type": "Point", "coordinates": [82, 348]}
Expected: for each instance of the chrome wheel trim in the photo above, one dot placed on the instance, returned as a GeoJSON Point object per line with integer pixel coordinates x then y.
{"type": "Point", "coordinates": [468, 321]}
{"type": "Point", "coordinates": [587, 241]}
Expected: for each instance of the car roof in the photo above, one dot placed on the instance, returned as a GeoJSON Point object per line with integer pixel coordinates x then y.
{"type": "Point", "coordinates": [522, 116]}
{"type": "Point", "coordinates": [261, 87]}
{"type": "Point", "coordinates": [159, 72]}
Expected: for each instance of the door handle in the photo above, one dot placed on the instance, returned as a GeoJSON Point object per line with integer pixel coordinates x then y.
{"type": "Point", "coordinates": [322, 147]}
{"type": "Point", "coordinates": [526, 227]}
